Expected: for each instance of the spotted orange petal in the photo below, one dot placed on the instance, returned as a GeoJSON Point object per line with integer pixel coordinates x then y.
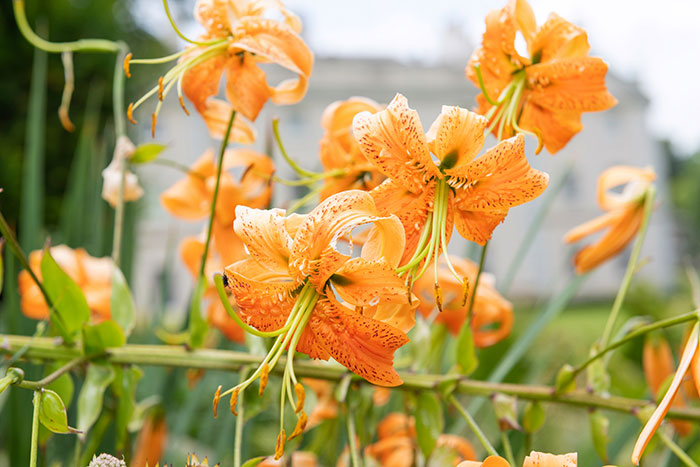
{"type": "Point", "coordinates": [543, 459]}
{"type": "Point", "coordinates": [393, 140]}
{"type": "Point", "coordinates": [363, 345]}
{"type": "Point", "coordinates": [477, 226]}
{"type": "Point", "coordinates": [246, 86]}
{"type": "Point", "coordinates": [402, 316]}
{"type": "Point", "coordinates": [555, 128]}
{"type": "Point", "coordinates": [456, 137]}
{"type": "Point", "coordinates": [558, 38]}
{"type": "Point", "coordinates": [500, 179]}
{"type": "Point", "coordinates": [216, 115]}
{"type": "Point", "coordinates": [361, 282]}
{"type": "Point", "coordinates": [264, 234]}
{"type": "Point", "coordinates": [264, 298]}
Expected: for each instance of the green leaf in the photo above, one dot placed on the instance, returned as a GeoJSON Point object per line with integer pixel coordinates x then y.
{"type": "Point", "coordinates": [566, 380]}
{"type": "Point", "coordinates": [429, 421]}
{"type": "Point", "coordinates": [253, 462]}
{"type": "Point", "coordinates": [63, 385]}
{"type": "Point", "coordinates": [97, 378]}
{"type": "Point", "coordinates": [146, 153]}
{"type": "Point", "coordinates": [533, 417]}
{"type": "Point", "coordinates": [99, 337]}
{"type": "Point", "coordinates": [506, 411]}
{"type": "Point", "coordinates": [597, 377]}
{"type": "Point", "coordinates": [122, 304]}
{"type": "Point", "coordinates": [70, 309]}
{"type": "Point", "coordinates": [52, 413]}
{"type": "Point", "coordinates": [599, 433]}
{"type": "Point", "coordinates": [2, 269]}
{"type": "Point", "coordinates": [198, 325]}
{"type": "Point", "coordinates": [124, 388]}
{"type": "Point", "coordinates": [466, 352]}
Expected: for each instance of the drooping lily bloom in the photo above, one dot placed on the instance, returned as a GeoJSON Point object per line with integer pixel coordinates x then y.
{"type": "Point", "coordinates": [191, 250]}
{"type": "Point", "coordinates": [298, 286]}
{"type": "Point", "coordinates": [473, 192]}
{"type": "Point", "coordinates": [657, 361]}
{"type": "Point", "coordinates": [340, 152]}
{"type": "Point", "coordinates": [689, 359]}
{"type": "Point", "coordinates": [92, 275]}
{"type": "Point", "coordinates": [624, 217]}
{"type": "Point", "coordinates": [545, 91]}
{"type": "Point", "coordinates": [396, 444]}
{"type": "Point", "coordinates": [239, 36]}
{"type": "Point", "coordinates": [112, 175]}
{"type": "Point", "coordinates": [191, 197]}
{"type": "Point", "coordinates": [490, 308]}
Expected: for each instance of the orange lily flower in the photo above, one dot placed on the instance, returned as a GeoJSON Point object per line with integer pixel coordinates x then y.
{"type": "Point", "coordinates": [92, 275]}
{"type": "Point", "coordinates": [191, 250]}
{"type": "Point", "coordinates": [340, 152]}
{"type": "Point", "coordinates": [545, 92]}
{"type": "Point", "coordinates": [624, 217]}
{"type": "Point", "coordinates": [297, 286]}
{"type": "Point", "coordinates": [657, 361]}
{"type": "Point", "coordinates": [239, 36]}
{"type": "Point", "coordinates": [689, 359]}
{"type": "Point", "coordinates": [489, 306]}
{"type": "Point", "coordinates": [298, 459]}
{"type": "Point", "coordinates": [151, 441]}
{"type": "Point", "coordinates": [396, 443]}
{"type": "Point", "coordinates": [475, 193]}
{"type": "Point", "coordinates": [544, 459]}
{"type": "Point", "coordinates": [191, 197]}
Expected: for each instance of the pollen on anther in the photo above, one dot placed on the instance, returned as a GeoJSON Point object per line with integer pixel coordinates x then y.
{"type": "Point", "coordinates": [182, 104]}
{"type": "Point", "coordinates": [130, 113]}
{"type": "Point", "coordinates": [160, 88]}
{"type": "Point", "coordinates": [154, 118]}
{"type": "Point", "coordinates": [127, 61]}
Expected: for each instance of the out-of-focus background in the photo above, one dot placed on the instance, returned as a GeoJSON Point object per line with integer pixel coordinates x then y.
{"type": "Point", "coordinates": [372, 49]}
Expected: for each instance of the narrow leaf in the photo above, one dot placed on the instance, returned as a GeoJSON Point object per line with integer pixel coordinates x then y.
{"type": "Point", "coordinates": [122, 303]}
{"type": "Point", "coordinates": [599, 433]}
{"type": "Point", "coordinates": [198, 325]}
{"type": "Point", "coordinates": [429, 421]}
{"type": "Point", "coordinates": [99, 337]}
{"type": "Point", "coordinates": [533, 417]}
{"type": "Point", "coordinates": [70, 309]}
{"type": "Point", "coordinates": [146, 153]}
{"type": "Point", "coordinates": [2, 269]}
{"type": "Point", "coordinates": [124, 388]}
{"type": "Point", "coordinates": [97, 378]}
{"type": "Point", "coordinates": [566, 380]}
{"type": "Point", "coordinates": [466, 352]}
{"type": "Point", "coordinates": [52, 413]}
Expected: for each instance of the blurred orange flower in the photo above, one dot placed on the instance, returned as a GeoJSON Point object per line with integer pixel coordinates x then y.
{"type": "Point", "coordinates": [657, 361]}
{"type": "Point", "coordinates": [544, 459]}
{"type": "Point", "coordinates": [624, 217]}
{"type": "Point", "coordinates": [294, 259]}
{"type": "Point", "coordinates": [490, 308]}
{"type": "Point", "coordinates": [92, 275]}
{"type": "Point", "coordinates": [191, 197]}
{"type": "Point", "coordinates": [151, 441]}
{"type": "Point", "coordinates": [326, 407]}
{"type": "Point", "coordinates": [239, 36]}
{"type": "Point", "coordinates": [689, 359]}
{"type": "Point", "coordinates": [474, 192]}
{"type": "Point", "coordinates": [491, 461]}
{"type": "Point", "coordinates": [544, 92]}
{"type": "Point", "coordinates": [396, 443]}
{"type": "Point", "coordinates": [339, 149]}
{"type": "Point", "coordinates": [191, 250]}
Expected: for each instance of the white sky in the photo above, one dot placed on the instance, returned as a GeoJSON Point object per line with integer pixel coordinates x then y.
{"type": "Point", "coordinates": [656, 43]}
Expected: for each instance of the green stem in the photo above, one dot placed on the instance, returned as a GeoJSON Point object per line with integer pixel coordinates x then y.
{"type": "Point", "coordinates": [118, 92]}
{"type": "Point", "coordinates": [42, 383]}
{"type": "Point", "coordinates": [296, 167]}
{"type": "Point", "coordinates": [240, 421]}
{"type": "Point", "coordinates": [676, 449]}
{"type": "Point", "coordinates": [472, 299]}
{"type": "Point", "coordinates": [473, 425]}
{"type": "Point", "coordinates": [507, 448]}
{"type": "Point", "coordinates": [119, 131]}
{"type": "Point", "coordinates": [178, 166]}
{"type": "Point", "coordinates": [82, 45]}
{"type": "Point", "coordinates": [533, 228]}
{"type": "Point", "coordinates": [19, 254]}
{"type": "Point", "coordinates": [215, 196]}
{"type": "Point", "coordinates": [304, 200]}
{"type": "Point", "coordinates": [352, 438]}
{"type": "Point", "coordinates": [482, 86]}
{"type": "Point", "coordinates": [631, 267]}
{"type": "Point", "coordinates": [44, 348]}
{"type": "Point", "coordinates": [34, 447]}
{"type": "Point", "coordinates": [684, 318]}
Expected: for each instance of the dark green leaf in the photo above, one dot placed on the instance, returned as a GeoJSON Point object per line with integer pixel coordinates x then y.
{"type": "Point", "coordinates": [599, 433]}
{"type": "Point", "coordinates": [63, 385]}
{"type": "Point", "coordinates": [146, 153]}
{"type": "Point", "coordinates": [533, 417]}
{"type": "Point", "coordinates": [101, 336]}
{"type": "Point", "coordinates": [198, 325]}
{"type": "Point", "coordinates": [2, 269]}
{"type": "Point", "coordinates": [466, 352]}
{"type": "Point", "coordinates": [97, 378]}
{"type": "Point", "coordinates": [70, 309]}
{"type": "Point", "coordinates": [429, 421]}
{"type": "Point", "coordinates": [124, 387]}
{"type": "Point", "coordinates": [122, 304]}
{"type": "Point", "coordinates": [52, 413]}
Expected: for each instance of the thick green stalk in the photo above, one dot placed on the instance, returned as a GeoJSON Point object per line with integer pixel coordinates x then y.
{"type": "Point", "coordinates": [34, 446]}
{"type": "Point", "coordinates": [476, 283]}
{"type": "Point", "coordinates": [473, 425]}
{"type": "Point", "coordinates": [631, 268]}
{"type": "Point", "coordinates": [44, 348]}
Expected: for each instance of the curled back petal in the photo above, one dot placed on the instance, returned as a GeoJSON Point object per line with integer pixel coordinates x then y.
{"type": "Point", "coordinates": [635, 179]}
{"type": "Point", "coordinates": [558, 38]}
{"type": "Point", "coordinates": [477, 226]}
{"type": "Point", "coordinates": [201, 82]}
{"type": "Point", "coordinates": [500, 179]}
{"type": "Point", "coordinates": [361, 282]}
{"type": "Point", "coordinates": [393, 140]}
{"type": "Point", "coordinates": [216, 115]}
{"type": "Point", "coordinates": [246, 86]}
{"type": "Point", "coordinates": [570, 84]}
{"type": "Point", "coordinates": [456, 136]}
{"type": "Point", "coordinates": [363, 345]}
{"type": "Point", "coordinates": [592, 226]}
{"type": "Point", "coordinates": [264, 234]}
